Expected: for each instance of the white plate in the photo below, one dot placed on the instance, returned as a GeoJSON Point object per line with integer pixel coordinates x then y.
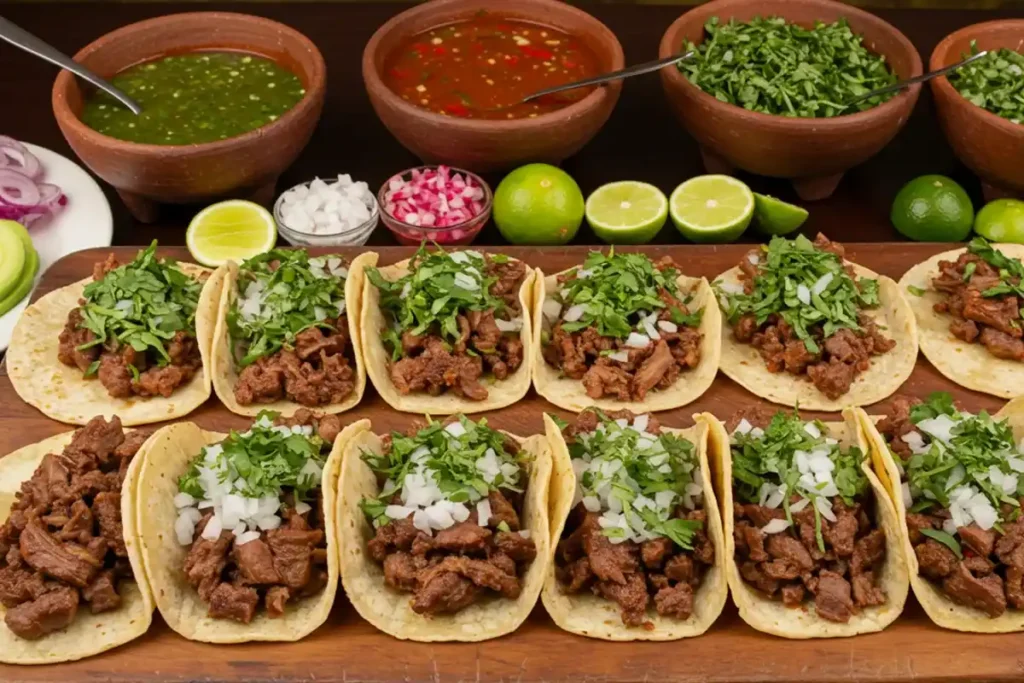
{"type": "Point", "coordinates": [85, 222]}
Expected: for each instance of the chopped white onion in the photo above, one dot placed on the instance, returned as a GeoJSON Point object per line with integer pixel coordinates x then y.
{"type": "Point", "coordinates": [551, 309]}
{"type": "Point", "coordinates": [775, 526]}
{"type": "Point", "coordinates": [638, 341]}
{"type": "Point", "coordinates": [620, 356]}
{"type": "Point", "coordinates": [574, 313]}
{"type": "Point", "coordinates": [803, 294]}
{"type": "Point", "coordinates": [668, 326]}
{"type": "Point", "coordinates": [483, 512]}
{"type": "Point", "coordinates": [183, 500]}
{"type": "Point", "coordinates": [821, 284]}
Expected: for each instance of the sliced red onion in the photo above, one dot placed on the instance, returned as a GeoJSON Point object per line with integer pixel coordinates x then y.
{"type": "Point", "coordinates": [22, 198]}
{"type": "Point", "coordinates": [15, 156]}
{"type": "Point", "coordinates": [17, 189]}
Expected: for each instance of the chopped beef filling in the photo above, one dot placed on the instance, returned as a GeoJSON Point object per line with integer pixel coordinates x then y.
{"type": "Point", "coordinates": [633, 575]}
{"type": "Point", "coordinates": [318, 370]}
{"type": "Point", "coordinates": [992, 321]}
{"type": "Point", "coordinates": [283, 565]}
{"type": "Point", "coordinates": [990, 576]}
{"type": "Point", "coordinates": [432, 365]}
{"type": "Point", "coordinates": [457, 566]}
{"type": "Point", "coordinates": [62, 548]}
{"type": "Point", "coordinates": [122, 370]}
{"type": "Point", "coordinates": [842, 356]}
{"type": "Point", "coordinates": [584, 354]}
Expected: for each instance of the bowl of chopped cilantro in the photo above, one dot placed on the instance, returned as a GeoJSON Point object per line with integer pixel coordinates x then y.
{"type": "Point", "coordinates": [768, 87]}
{"type": "Point", "coordinates": [981, 106]}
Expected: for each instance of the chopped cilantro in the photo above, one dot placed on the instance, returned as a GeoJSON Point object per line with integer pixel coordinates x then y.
{"type": "Point", "coordinates": [916, 291]}
{"type": "Point", "coordinates": [945, 539]}
{"type": "Point", "coordinates": [1011, 271]}
{"type": "Point", "coordinates": [995, 82]}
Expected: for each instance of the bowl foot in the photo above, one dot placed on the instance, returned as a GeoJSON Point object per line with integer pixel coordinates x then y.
{"type": "Point", "coordinates": [143, 209]}
{"type": "Point", "coordinates": [818, 187]}
{"type": "Point", "coordinates": [993, 192]}
{"type": "Point", "coordinates": [714, 163]}
{"type": "Point", "coordinates": [146, 210]}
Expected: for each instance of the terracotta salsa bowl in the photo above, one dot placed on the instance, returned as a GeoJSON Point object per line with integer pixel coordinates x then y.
{"type": "Point", "coordinates": [485, 145]}
{"type": "Point", "coordinates": [244, 166]}
{"type": "Point", "coordinates": [988, 144]}
{"type": "Point", "coordinates": [812, 152]}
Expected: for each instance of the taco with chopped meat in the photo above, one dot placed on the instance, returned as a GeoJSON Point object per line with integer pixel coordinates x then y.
{"type": "Point", "coordinates": [447, 333]}
{"type": "Point", "coordinates": [132, 341]}
{"type": "Point", "coordinates": [287, 333]}
{"type": "Point", "coordinates": [813, 544]}
{"type": "Point", "coordinates": [72, 583]}
{"type": "Point", "coordinates": [236, 531]}
{"type": "Point", "coordinates": [968, 308]}
{"type": "Point", "coordinates": [955, 478]}
{"type": "Point", "coordinates": [444, 529]}
{"type": "Point", "coordinates": [807, 327]}
{"type": "Point", "coordinates": [623, 332]}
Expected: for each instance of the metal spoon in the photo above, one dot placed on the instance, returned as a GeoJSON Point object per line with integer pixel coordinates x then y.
{"type": "Point", "coordinates": [637, 70]}
{"type": "Point", "coordinates": [19, 37]}
{"type": "Point", "coordinates": [916, 79]}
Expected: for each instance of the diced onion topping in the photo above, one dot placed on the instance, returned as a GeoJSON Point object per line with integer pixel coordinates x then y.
{"type": "Point", "coordinates": [322, 208]}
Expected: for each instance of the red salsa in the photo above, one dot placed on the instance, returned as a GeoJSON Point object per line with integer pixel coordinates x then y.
{"type": "Point", "coordinates": [482, 67]}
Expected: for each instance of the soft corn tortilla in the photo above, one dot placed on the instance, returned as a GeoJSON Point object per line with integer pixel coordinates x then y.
{"type": "Point", "coordinates": [772, 616]}
{"type": "Point", "coordinates": [969, 365]}
{"type": "Point", "coordinates": [225, 373]}
{"type": "Point", "coordinates": [89, 634]}
{"type": "Point", "coordinates": [389, 610]}
{"type": "Point", "coordinates": [62, 393]}
{"type": "Point", "coordinates": [570, 394]}
{"type": "Point", "coordinates": [500, 393]}
{"type": "Point", "coordinates": [589, 615]}
{"type": "Point", "coordinates": [744, 365]}
{"type": "Point", "coordinates": [937, 605]}
{"type": "Point", "coordinates": [166, 458]}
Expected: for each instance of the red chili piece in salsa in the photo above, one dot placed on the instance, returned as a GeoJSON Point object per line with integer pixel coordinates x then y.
{"type": "Point", "coordinates": [481, 68]}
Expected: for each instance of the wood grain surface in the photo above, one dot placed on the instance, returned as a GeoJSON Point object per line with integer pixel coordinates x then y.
{"type": "Point", "coordinates": [348, 649]}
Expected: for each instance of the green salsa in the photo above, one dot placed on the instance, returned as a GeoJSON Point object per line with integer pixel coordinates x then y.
{"type": "Point", "coordinates": [193, 98]}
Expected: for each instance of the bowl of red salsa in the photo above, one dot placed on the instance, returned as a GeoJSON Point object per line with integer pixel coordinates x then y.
{"type": "Point", "coordinates": [447, 78]}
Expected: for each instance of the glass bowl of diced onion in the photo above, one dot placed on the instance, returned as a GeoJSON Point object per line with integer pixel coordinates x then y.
{"type": "Point", "coordinates": [439, 204]}
{"type": "Point", "coordinates": [327, 213]}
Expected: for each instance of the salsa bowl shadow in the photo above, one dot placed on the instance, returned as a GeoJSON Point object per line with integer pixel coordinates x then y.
{"type": "Point", "coordinates": [988, 144]}
{"type": "Point", "coordinates": [489, 145]}
{"type": "Point", "coordinates": [246, 165]}
{"type": "Point", "coordinates": [811, 152]}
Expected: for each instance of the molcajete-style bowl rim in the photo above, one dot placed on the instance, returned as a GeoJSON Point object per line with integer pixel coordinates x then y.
{"type": "Point", "coordinates": [447, 11]}
{"type": "Point", "coordinates": [671, 43]}
{"type": "Point", "coordinates": [941, 56]}
{"type": "Point", "coordinates": [73, 126]}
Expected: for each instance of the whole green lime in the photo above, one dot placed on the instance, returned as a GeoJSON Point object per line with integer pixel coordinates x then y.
{"type": "Point", "coordinates": [1001, 220]}
{"type": "Point", "coordinates": [933, 208]}
{"type": "Point", "coordinates": [538, 204]}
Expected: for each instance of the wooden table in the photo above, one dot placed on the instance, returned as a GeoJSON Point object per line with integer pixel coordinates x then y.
{"type": "Point", "coordinates": [641, 140]}
{"type": "Point", "coordinates": [348, 649]}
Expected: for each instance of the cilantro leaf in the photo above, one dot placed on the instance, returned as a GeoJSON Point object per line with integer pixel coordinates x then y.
{"type": "Point", "coordinates": [946, 540]}
{"type": "Point", "coordinates": [994, 82]}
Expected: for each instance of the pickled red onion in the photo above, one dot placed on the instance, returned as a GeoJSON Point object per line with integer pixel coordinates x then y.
{"type": "Point", "coordinates": [22, 197]}
{"type": "Point", "coordinates": [434, 198]}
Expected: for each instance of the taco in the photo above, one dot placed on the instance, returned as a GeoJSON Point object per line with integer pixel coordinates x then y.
{"type": "Point", "coordinates": [804, 326]}
{"type": "Point", "coordinates": [968, 303]}
{"type": "Point", "coordinates": [623, 332]}
{"type": "Point", "coordinates": [235, 529]}
{"type": "Point", "coordinates": [637, 531]}
{"type": "Point", "coordinates": [72, 583]}
{"type": "Point", "coordinates": [812, 539]}
{"type": "Point", "coordinates": [132, 341]}
{"type": "Point", "coordinates": [447, 333]}
{"type": "Point", "coordinates": [287, 333]}
{"type": "Point", "coordinates": [444, 530]}
{"type": "Point", "coordinates": [956, 482]}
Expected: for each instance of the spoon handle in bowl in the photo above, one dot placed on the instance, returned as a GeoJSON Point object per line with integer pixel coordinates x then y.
{"type": "Point", "coordinates": [917, 79]}
{"type": "Point", "coordinates": [645, 68]}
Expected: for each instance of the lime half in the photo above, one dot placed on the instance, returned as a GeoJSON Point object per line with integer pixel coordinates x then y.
{"type": "Point", "coordinates": [627, 212]}
{"type": "Point", "coordinates": [712, 208]}
{"type": "Point", "coordinates": [28, 274]}
{"type": "Point", "coordinates": [1001, 220]}
{"type": "Point", "coordinates": [230, 231]}
{"type": "Point", "coordinates": [775, 217]}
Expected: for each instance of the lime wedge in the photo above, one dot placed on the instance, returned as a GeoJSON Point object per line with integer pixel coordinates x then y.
{"type": "Point", "coordinates": [230, 231]}
{"type": "Point", "coordinates": [12, 257]}
{"type": "Point", "coordinates": [627, 212]}
{"type": "Point", "coordinates": [1001, 220]}
{"type": "Point", "coordinates": [712, 208]}
{"type": "Point", "coordinates": [28, 273]}
{"type": "Point", "coordinates": [775, 217]}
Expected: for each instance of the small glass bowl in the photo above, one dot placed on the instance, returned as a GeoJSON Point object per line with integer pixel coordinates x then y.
{"type": "Point", "coordinates": [458, 234]}
{"type": "Point", "coordinates": [355, 237]}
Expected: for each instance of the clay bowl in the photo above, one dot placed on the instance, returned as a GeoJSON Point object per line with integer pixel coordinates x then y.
{"type": "Point", "coordinates": [244, 166]}
{"type": "Point", "coordinates": [988, 144]}
{"type": "Point", "coordinates": [479, 145]}
{"type": "Point", "coordinates": [812, 153]}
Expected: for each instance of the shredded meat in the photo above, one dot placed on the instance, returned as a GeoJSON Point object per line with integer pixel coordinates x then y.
{"type": "Point", "coordinates": [62, 546]}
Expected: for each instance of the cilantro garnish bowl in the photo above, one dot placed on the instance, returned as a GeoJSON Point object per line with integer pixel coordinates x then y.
{"type": "Point", "coordinates": [990, 145]}
{"type": "Point", "coordinates": [811, 152]}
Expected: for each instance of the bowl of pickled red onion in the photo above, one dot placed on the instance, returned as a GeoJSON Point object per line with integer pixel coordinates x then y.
{"type": "Point", "coordinates": [435, 204]}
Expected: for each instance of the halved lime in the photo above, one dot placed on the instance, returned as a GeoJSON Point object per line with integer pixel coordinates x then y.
{"type": "Point", "coordinates": [230, 231]}
{"type": "Point", "coordinates": [712, 208]}
{"type": "Point", "coordinates": [775, 217]}
{"type": "Point", "coordinates": [1001, 220]}
{"type": "Point", "coordinates": [12, 257]}
{"type": "Point", "coordinates": [627, 212]}
{"type": "Point", "coordinates": [28, 273]}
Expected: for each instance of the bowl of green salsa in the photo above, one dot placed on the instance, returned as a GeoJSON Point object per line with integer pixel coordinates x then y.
{"type": "Point", "coordinates": [229, 101]}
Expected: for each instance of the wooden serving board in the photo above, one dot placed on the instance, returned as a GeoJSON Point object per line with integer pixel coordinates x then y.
{"type": "Point", "coordinates": [348, 649]}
